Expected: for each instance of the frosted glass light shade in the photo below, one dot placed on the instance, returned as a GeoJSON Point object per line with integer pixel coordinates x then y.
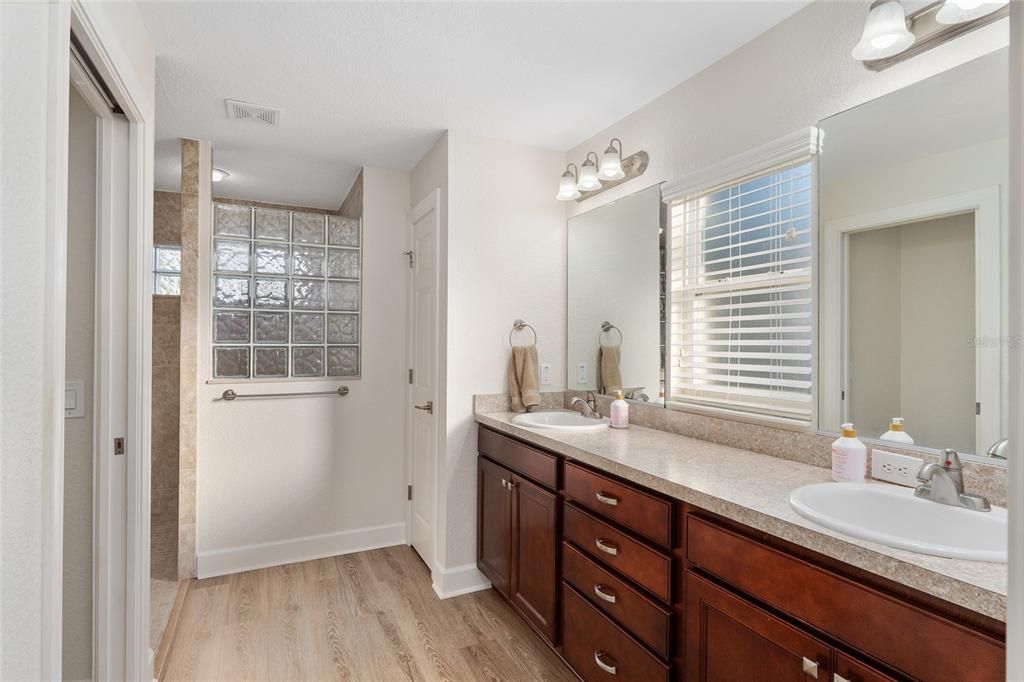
{"type": "Point", "coordinates": [885, 32]}
{"type": "Point", "coordinates": [959, 11]}
{"type": "Point", "coordinates": [219, 174]}
{"type": "Point", "coordinates": [588, 181]}
{"type": "Point", "coordinates": [567, 187]}
{"type": "Point", "coordinates": [611, 165]}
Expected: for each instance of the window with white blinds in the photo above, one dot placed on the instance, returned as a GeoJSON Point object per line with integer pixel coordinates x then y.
{"type": "Point", "coordinates": [741, 303]}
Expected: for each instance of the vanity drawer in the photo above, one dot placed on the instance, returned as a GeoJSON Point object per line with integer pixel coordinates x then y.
{"type": "Point", "coordinates": [625, 504]}
{"type": "Point", "coordinates": [917, 642]}
{"type": "Point", "coordinates": [644, 618]}
{"type": "Point", "coordinates": [598, 649]}
{"type": "Point", "coordinates": [540, 466]}
{"type": "Point", "coordinates": [648, 567]}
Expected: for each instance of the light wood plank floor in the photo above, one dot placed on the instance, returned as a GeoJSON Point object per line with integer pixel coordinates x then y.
{"type": "Point", "coordinates": [370, 616]}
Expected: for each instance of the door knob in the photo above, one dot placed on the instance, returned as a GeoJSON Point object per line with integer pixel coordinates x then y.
{"type": "Point", "coordinates": [428, 407]}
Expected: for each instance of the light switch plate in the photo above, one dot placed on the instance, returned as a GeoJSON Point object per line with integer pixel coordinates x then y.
{"type": "Point", "coordinates": [74, 399]}
{"type": "Point", "coordinates": [900, 469]}
{"type": "Point", "coordinates": [545, 374]}
{"type": "Point", "coordinates": [581, 374]}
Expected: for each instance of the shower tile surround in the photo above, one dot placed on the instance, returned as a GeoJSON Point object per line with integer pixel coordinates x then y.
{"type": "Point", "coordinates": [293, 307]}
{"type": "Point", "coordinates": [761, 503]}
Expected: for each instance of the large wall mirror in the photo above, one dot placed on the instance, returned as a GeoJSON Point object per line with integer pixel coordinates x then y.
{"type": "Point", "coordinates": [616, 298]}
{"type": "Point", "coordinates": [911, 272]}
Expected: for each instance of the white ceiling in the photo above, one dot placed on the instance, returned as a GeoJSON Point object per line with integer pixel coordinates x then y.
{"type": "Point", "coordinates": [375, 83]}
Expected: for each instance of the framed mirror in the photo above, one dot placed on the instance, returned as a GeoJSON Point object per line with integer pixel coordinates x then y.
{"type": "Point", "coordinates": [911, 268]}
{"type": "Point", "coordinates": [616, 298]}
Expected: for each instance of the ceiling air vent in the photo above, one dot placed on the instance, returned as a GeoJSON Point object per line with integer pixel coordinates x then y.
{"type": "Point", "coordinates": [253, 112]}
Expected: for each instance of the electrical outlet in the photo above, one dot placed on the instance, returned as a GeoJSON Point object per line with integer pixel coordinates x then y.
{"type": "Point", "coordinates": [545, 374]}
{"type": "Point", "coordinates": [900, 469]}
{"type": "Point", "coordinates": [581, 374]}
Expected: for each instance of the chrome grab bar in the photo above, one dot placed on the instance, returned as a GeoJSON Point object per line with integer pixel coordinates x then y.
{"type": "Point", "coordinates": [230, 394]}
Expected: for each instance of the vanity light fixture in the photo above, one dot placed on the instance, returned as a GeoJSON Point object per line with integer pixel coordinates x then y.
{"type": "Point", "coordinates": [588, 180]}
{"type": "Point", "coordinates": [567, 187]}
{"type": "Point", "coordinates": [219, 174]}
{"type": "Point", "coordinates": [611, 162]}
{"type": "Point", "coordinates": [599, 173]}
{"type": "Point", "coordinates": [891, 37]}
{"type": "Point", "coordinates": [959, 11]}
{"type": "Point", "coordinates": [885, 32]}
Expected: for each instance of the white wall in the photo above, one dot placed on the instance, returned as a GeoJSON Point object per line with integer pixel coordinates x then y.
{"type": "Point", "coordinates": [289, 479]}
{"type": "Point", "coordinates": [78, 431]}
{"type": "Point", "coordinates": [792, 76]}
{"type": "Point", "coordinates": [33, 64]}
{"type": "Point", "coordinates": [614, 266]}
{"type": "Point", "coordinates": [506, 260]}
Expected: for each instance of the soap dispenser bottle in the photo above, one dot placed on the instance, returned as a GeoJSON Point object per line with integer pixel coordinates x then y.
{"type": "Point", "coordinates": [849, 457]}
{"type": "Point", "coordinates": [896, 432]}
{"type": "Point", "coordinates": [619, 412]}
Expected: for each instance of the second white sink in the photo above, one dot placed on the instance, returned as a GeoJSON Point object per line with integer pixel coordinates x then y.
{"type": "Point", "coordinates": [892, 516]}
{"type": "Point", "coordinates": [560, 421]}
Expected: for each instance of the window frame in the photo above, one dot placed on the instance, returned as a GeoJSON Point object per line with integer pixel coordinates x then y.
{"type": "Point", "coordinates": [802, 145]}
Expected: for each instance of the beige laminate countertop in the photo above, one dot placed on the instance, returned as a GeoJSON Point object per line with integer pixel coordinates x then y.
{"type": "Point", "coordinates": [753, 489]}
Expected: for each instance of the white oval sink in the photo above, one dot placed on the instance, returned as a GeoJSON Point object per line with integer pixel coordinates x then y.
{"type": "Point", "coordinates": [891, 515]}
{"type": "Point", "coordinates": [560, 421]}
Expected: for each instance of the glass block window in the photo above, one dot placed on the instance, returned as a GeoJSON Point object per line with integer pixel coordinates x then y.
{"type": "Point", "coordinates": [287, 294]}
{"type": "Point", "coordinates": [167, 270]}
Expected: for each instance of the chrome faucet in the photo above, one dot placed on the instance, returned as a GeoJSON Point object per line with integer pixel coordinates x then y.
{"type": "Point", "coordinates": [999, 448]}
{"type": "Point", "coordinates": [943, 482]}
{"type": "Point", "coordinates": [587, 408]}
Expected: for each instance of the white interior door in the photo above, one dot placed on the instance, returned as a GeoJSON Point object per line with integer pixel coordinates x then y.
{"type": "Point", "coordinates": [423, 389]}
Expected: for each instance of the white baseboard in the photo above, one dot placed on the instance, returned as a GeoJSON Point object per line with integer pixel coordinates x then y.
{"type": "Point", "coordinates": [250, 557]}
{"type": "Point", "coordinates": [459, 580]}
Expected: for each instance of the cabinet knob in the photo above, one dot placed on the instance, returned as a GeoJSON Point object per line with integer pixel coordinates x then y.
{"type": "Point", "coordinates": [810, 668]}
{"type": "Point", "coordinates": [606, 547]}
{"type": "Point", "coordinates": [605, 498]}
{"type": "Point", "coordinates": [606, 662]}
{"type": "Point", "coordinates": [604, 593]}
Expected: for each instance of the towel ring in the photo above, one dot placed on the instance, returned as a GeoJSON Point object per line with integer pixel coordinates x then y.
{"type": "Point", "coordinates": [607, 327]}
{"type": "Point", "coordinates": [519, 326]}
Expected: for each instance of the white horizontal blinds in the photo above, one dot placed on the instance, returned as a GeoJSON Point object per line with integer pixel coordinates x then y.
{"type": "Point", "coordinates": [741, 326]}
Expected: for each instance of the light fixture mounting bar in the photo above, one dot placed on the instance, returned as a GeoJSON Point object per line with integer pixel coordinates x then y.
{"type": "Point", "coordinates": [633, 166]}
{"type": "Point", "coordinates": [930, 33]}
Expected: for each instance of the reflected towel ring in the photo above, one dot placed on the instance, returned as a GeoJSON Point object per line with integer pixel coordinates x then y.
{"type": "Point", "coordinates": [519, 326]}
{"type": "Point", "coordinates": [607, 327]}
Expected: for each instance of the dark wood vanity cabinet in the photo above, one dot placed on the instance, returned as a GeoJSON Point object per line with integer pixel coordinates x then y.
{"type": "Point", "coordinates": [517, 543]}
{"type": "Point", "coordinates": [649, 588]}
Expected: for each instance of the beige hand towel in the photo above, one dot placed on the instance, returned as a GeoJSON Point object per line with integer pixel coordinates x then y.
{"type": "Point", "coordinates": [611, 373]}
{"type": "Point", "coordinates": [522, 378]}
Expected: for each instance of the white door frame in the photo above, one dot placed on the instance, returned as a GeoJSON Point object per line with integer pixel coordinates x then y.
{"type": "Point", "coordinates": [990, 380]}
{"type": "Point", "coordinates": [125, 606]}
{"type": "Point", "coordinates": [431, 202]}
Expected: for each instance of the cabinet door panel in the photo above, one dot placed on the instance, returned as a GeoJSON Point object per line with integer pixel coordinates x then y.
{"type": "Point", "coordinates": [534, 547]}
{"type": "Point", "coordinates": [729, 639]}
{"type": "Point", "coordinates": [494, 524]}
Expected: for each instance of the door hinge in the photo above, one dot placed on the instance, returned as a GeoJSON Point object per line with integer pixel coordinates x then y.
{"type": "Point", "coordinates": [408, 493]}
{"type": "Point", "coordinates": [977, 408]}
{"type": "Point", "coordinates": [119, 445]}
{"type": "Point", "coordinates": [411, 375]}
{"type": "Point", "coordinates": [412, 257]}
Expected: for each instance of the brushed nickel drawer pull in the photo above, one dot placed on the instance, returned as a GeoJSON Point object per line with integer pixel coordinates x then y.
{"type": "Point", "coordinates": [606, 546]}
{"type": "Point", "coordinates": [604, 593]}
{"type": "Point", "coordinates": [605, 498]}
{"type": "Point", "coordinates": [836, 677]}
{"type": "Point", "coordinates": [810, 668]}
{"type": "Point", "coordinates": [610, 668]}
